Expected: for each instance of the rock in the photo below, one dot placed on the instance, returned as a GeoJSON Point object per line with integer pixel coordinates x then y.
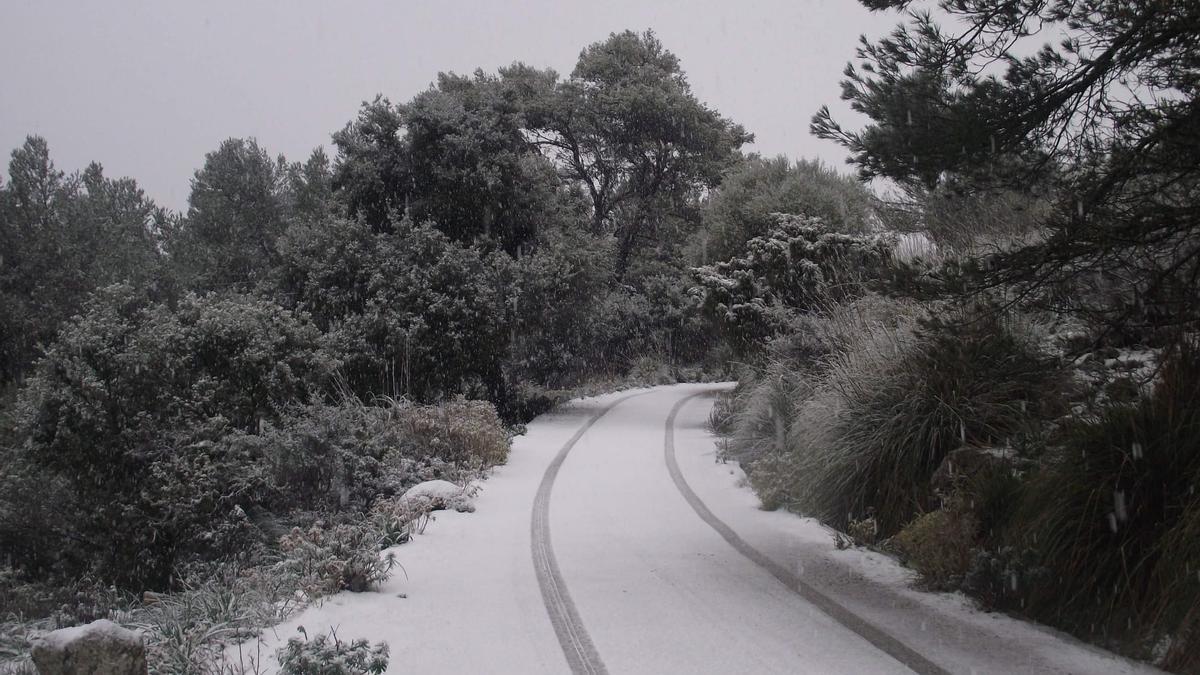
{"type": "Point", "coordinates": [440, 494]}
{"type": "Point", "coordinates": [963, 464]}
{"type": "Point", "coordinates": [98, 648]}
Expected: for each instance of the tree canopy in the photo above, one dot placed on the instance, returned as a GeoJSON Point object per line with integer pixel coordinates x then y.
{"type": "Point", "coordinates": [236, 210]}
{"type": "Point", "coordinates": [1106, 119]}
{"type": "Point", "coordinates": [627, 127]}
{"type": "Point", "coordinates": [750, 195]}
{"type": "Point", "coordinates": [61, 236]}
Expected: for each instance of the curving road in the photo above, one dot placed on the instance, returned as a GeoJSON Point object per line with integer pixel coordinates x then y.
{"type": "Point", "coordinates": [614, 542]}
{"type": "Point", "coordinates": [666, 566]}
{"type": "Point", "coordinates": [657, 587]}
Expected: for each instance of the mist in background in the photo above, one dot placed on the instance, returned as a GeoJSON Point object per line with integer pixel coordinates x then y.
{"type": "Point", "coordinates": [147, 88]}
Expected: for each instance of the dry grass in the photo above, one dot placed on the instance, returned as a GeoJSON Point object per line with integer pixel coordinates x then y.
{"type": "Point", "coordinates": [469, 432]}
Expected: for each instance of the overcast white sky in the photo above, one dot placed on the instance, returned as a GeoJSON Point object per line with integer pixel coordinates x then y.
{"type": "Point", "coordinates": [148, 87]}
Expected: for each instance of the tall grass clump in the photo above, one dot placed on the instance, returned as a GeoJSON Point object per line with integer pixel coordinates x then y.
{"type": "Point", "coordinates": [1113, 518]}
{"type": "Point", "coordinates": [822, 467]}
{"type": "Point", "coordinates": [973, 378]}
{"type": "Point", "coordinates": [784, 408]}
{"type": "Point", "coordinates": [898, 393]}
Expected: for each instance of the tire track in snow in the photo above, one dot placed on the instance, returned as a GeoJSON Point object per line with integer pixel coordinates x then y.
{"type": "Point", "coordinates": [881, 640]}
{"type": "Point", "coordinates": [572, 635]}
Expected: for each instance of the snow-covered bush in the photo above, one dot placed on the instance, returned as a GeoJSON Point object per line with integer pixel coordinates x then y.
{"type": "Point", "coordinates": [140, 409]}
{"type": "Point", "coordinates": [328, 458]}
{"type": "Point", "coordinates": [558, 325]}
{"type": "Point", "coordinates": [743, 207]}
{"type": "Point", "coordinates": [329, 655]}
{"type": "Point", "coordinates": [798, 266]}
{"type": "Point", "coordinates": [342, 457]}
{"type": "Point", "coordinates": [327, 560]}
{"type": "Point", "coordinates": [412, 313]}
{"type": "Point", "coordinates": [457, 430]}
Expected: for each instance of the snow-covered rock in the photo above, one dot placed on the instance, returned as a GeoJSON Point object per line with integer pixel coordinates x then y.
{"type": "Point", "coordinates": [98, 648]}
{"type": "Point", "coordinates": [441, 494]}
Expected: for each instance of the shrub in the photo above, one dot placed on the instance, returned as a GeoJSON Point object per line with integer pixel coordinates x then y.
{"type": "Point", "coordinates": [413, 313]}
{"type": "Point", "coordinates": [997, 576]}
{"type": "Point", "coordinates": [993, 494]}
{"type": "Point", "coordinates": [652, 314]}
{"type": "Point", "coordinates": [458, 430]}
{"type": "Point", "coordinates": [865, 427]}
{"type": "Point", "coordinates": [721, 418]}
{"type": "Point", "coordinates": [813, 471]}
{"type": "Point", "coordinates": [341, 457]}
{"type": "Point", "coordinates": [1115, 517]}
{"type": "Point", "coordinates": [328, 458]}
{"type": "Point", "coordinates": [328, 655]}
{"type": "Point", "coordinates": [764, 407]}
{"type": "Point", "coordinates": [743, 206]}
{"type": "Point", "coordinates": [33, 530]}
{"type": "Point", "coordinates": [140, 409]}
{"type": "Point", "coordinates": [797, 266]}
{"type": "Point", "coordinates": [938, 545]}
{"type": "Point", "coordinates": [558, 325]}
{"type": "Point", "coordinates": [784, 409]}
{"type": "Point", "coordinates": [328, 560]}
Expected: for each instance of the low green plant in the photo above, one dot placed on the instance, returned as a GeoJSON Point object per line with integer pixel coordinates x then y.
{"type": "Point", "coordinates": [187, 630]}
{"type": "Point", "coordinates": [998, 577]}
{"type": "Point", "coordinates": [721, 418]}
{"type": "Point", "coordinates": [864, 531]}
{"type": "Point", "coordinates": [938, 545]}
{"type": "Point", "coordinates": [326, 560]}
{"type": "Point", "coordinates": [329, 655]}
{"type": "Point", "coordinates": [397, 520]}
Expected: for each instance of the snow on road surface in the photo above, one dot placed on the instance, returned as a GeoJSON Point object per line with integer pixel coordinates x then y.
{"type": "Point", "coordinates": [614, 570]}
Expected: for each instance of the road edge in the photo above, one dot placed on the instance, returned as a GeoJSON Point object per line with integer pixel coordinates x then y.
{"type": "Point", "coordinates": [877, 637]}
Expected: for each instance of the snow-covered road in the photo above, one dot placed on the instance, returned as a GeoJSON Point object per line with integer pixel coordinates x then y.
{"type": "Point", "coordinates": [614, 541]}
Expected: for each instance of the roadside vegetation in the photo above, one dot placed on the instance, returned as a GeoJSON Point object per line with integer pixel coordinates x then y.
{"type": "Point", "coordinates": [1006, 396]}
{"type": "Point", "coordinates": [209, 419]}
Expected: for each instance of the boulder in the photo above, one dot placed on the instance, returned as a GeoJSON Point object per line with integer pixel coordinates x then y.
{"type": "Point", "coordinates": [98, 648]}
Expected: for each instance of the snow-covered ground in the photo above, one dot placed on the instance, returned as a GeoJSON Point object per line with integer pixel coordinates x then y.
{"type": "Point", "coordinates": [656, 588]}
